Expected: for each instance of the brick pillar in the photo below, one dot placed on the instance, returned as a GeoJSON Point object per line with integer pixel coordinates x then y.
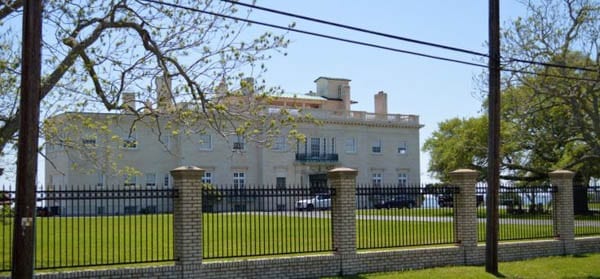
{"type": "Point", "coordinates": [562, 208]}
{"type": "Point", "coordinates": [465, 212]}
{"type": "Point", "coordinates": [343, 215]}
{"type": "Point", "coordinates": [187, 216]}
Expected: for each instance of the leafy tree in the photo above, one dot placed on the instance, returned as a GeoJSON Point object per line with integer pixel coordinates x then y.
{"type": "Point", "coordinates": [550, 115]}
{"type": "Point", "coordinates": [556, 110]}
{"type": "Point", "coordinates": [95, 51]}
{"type": "Point", "coordinates": [458, 143]}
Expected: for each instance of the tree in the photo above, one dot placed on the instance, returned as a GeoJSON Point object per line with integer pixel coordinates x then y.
{"type": "Point", "coordinates": [558, 108]}
{"type": "Point", "coordinates": [550, 115]}
{"type": "Point", "coordinates": [458, 143]}
{"type": "Point", "coordinates": [96, 51]}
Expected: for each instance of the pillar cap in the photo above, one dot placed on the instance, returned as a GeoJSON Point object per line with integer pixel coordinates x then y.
{"type": "Point", "coordinates": [463, 171]}
{"type": "Point", "coordinates": [187, 171]}
{"type": "Point", "coordinates": [464, 174]}
{"type": "Point", "coordinates": [181, 168]}
{"type": "Point", "coordinates": [342, 171]}
{"type": "Point", "coordinates": [558, 174]}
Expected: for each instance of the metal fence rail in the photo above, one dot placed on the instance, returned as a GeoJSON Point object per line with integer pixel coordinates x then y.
{"type": "Point", "coordinates": [399, 216]}
{"type": "Point", "coordinates": [587, 210]}
{"type": "Point", "coordinates": [525, 212]}
{"type": "Point", "coordinates": [87, 226]}
{"type": "Point", "coordinates": [266, 220]}
{"type": "Point", "coordinates": [7, 198]}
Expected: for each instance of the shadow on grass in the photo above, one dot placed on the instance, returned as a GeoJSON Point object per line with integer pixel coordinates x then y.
{"type": "Point", "coordinates": [580, 256]}
{"type": "Point", "coordinates": [498, 275]}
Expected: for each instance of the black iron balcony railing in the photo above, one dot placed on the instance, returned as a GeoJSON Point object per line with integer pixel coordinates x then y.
{"type": "Point", "coordinates": [321, 157]}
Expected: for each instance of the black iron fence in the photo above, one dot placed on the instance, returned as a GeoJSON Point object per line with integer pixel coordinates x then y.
{"type": "Point", "coordinates": [266, 220]}
{"type": "Point", "coordinates": [90, 226]}
{"type": "Point", "coordinates": [401, 216]}
{"type": "Point", "coordinates": [586, 202]}
{"type": "Point", "coordinates": [7, 198]}
{"type": "Point", "coordinates": [524, 212]}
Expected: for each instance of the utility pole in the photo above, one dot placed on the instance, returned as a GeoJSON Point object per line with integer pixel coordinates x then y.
{"type": "Point", "coordinates": [493, 178]}
{"type": "Point", "coordinates": [23, 249]}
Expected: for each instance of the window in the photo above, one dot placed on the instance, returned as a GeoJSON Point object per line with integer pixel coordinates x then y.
{"type": "Point", "coordinates": [129, 180]}
{"type": "Point", "coordinates": [350, 145]}
{"type": "Point", "coordinates": [130, 141]}
{"type": "Point", "coordinates": [377, 179]}
{"type": "Point", "coordinates": [166, 180]}
{"type": "Point", "coordinates": [315, 145]}
{"type": "Point", "coordinates": [207, 178]}
{"type": "Point", "coordinates": [402, 148]}
{"type": "Point", "coordinates": [280, 183]}
{"type": "Point", "coordinates": [239, 180]}
{"type": "Point", "coordinates": [377, 146]}
{"type": "Point", "coordinates": [150, 179]}
{"type": "Point", "coordinates": [205, 142]}
{"type": "Point", "coordinates": [100, 179]}
{"type": "Point", "coordinates": [89, 141]}
{"type": "Point", "coordinates": [402, 179]}
{"type": "Point", "coordinates": [238, 143]}
{"type": "Point", "coordinates": [280, 143]}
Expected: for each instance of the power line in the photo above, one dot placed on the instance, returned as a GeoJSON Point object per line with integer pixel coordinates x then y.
{"type": "Point", "coordinates": [318, 34]}
{"type": "Point", "coordinates": [430, 44]}
{"type": "Point", "coordinates": [354, 28]}
{"type": "Point", "coordinates": [310, 33]}
{"type": "Point", "coordinates": [548, 75]}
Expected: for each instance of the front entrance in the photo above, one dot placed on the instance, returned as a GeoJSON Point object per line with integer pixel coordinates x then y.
{"type": "Point", "coordinates": [318, 183]}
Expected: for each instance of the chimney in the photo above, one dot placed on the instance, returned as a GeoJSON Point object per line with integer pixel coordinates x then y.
{"type": "Point", "coordinates": [129, 100]}
{"type": "Point", "coordinates": [247, 85]}
{"type": "Point", "coordinates": [163, 88]}
{"type": "Point", "coordinates": [381, 103]}
{"type": "Point", "coordinates": [345, 92]}
{"type": "Point", "coordinates": [221, 89]}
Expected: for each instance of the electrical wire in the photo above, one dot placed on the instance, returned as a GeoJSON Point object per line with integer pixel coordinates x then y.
{"type": "Point", "coordinates": [310, 33]}
{"type": "Point", "coordinates": [430, 44]}
{"type": "Point", "coordinates": [318, 34]}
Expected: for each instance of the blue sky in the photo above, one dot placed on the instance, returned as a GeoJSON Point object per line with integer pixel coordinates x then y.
{"type": "Point", "coordinates": [434, 90]}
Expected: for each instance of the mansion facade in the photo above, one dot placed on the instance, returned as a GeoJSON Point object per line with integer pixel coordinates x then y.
{"type": "Point", "coordinates": [383, 147]}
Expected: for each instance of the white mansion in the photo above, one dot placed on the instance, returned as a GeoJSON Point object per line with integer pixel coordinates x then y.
{"type": "Point", "coordinates": [383, 147]}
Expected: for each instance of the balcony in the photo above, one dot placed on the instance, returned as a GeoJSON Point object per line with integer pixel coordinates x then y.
{"type": "Point", "coordinates": [317, 158]}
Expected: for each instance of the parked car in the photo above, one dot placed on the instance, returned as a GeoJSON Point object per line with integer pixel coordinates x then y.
{"type": "Point", "coordinates": [319, 201]}
{"type": "Point", "coordinates": [403, 201]}
{"type": "Point", "coordinates": [448, 200]}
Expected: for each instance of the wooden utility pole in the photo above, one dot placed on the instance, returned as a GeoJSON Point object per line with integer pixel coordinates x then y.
{"type": "Point", "coordinates": [23, 249]}
{"type": "Point", "coordinates": [493, 177]}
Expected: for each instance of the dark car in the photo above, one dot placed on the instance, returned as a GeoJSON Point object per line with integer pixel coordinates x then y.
{"type": "Point", "coordinates": [397, 202]}
{"type": "Point", "coordinates": [448, 200]}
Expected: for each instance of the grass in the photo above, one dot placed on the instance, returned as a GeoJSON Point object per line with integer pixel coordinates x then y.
{"type": "Point", "coordinates": [578, 266]}
{"type": "Point", "coordinates": [82, 241]}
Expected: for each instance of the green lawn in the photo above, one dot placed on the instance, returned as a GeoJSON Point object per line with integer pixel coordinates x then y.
{"type": "Point", "coordinates": [76, 241]}
{"type": "Point", "coordinates": [231, 235]}
{"type": "Point", "coordinates": [579, 266]}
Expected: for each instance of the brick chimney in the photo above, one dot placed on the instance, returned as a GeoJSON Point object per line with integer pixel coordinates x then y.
{"type": "Point", "coordinates": [381, 103]}
{"type": "Point", "coordinates": [163, 90]}
{"type": "Point", "coordinates": [129, 100]}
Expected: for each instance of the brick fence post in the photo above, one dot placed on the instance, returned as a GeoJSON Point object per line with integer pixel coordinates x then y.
{"type": "Point", "coordinates": [187, 217]}
{"type": "Point", "coordinates": [465, 212]}
{"type": "Point", "coordinates": [343, 216]}
{"type": "Point", "coordinates": [562, 208]}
